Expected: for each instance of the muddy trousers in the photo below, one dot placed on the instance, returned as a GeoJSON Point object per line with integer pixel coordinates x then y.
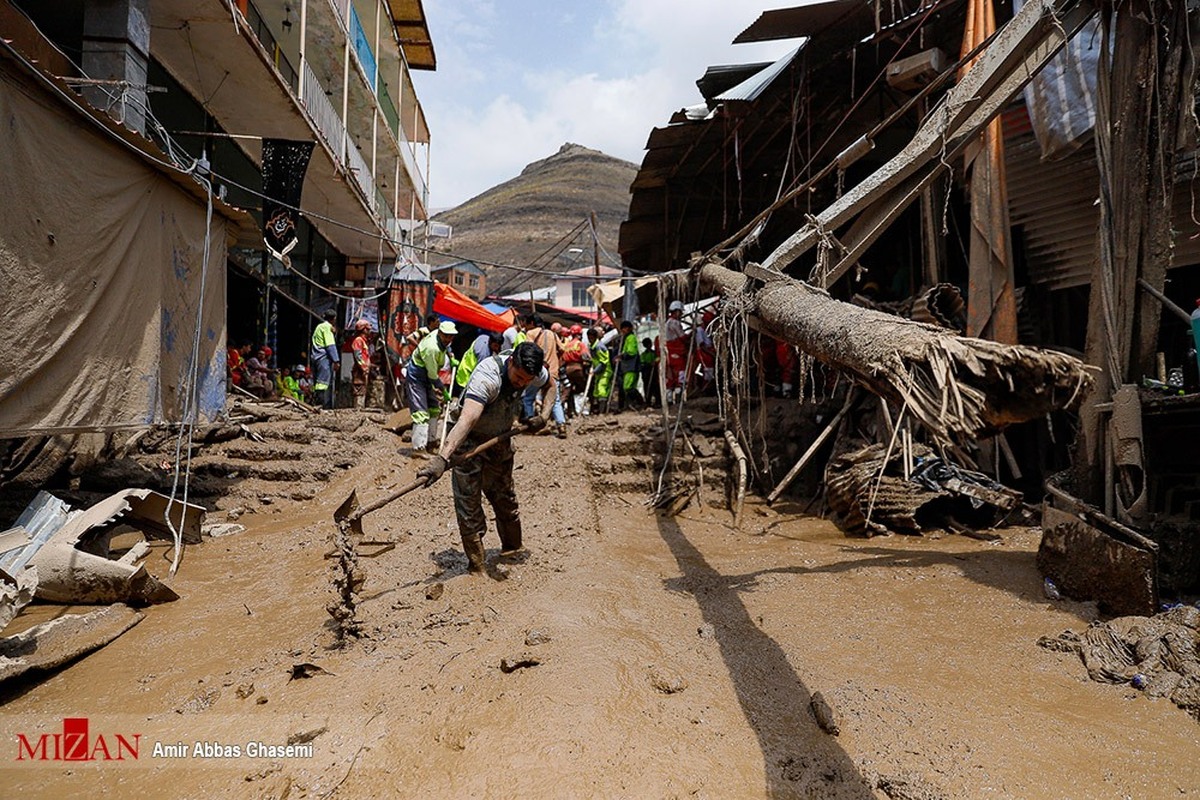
{"type": "Point", "coordinates": [490, 474]}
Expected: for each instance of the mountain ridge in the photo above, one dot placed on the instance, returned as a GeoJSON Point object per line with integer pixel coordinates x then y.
{"type": "Point", "coordinates": [517, 221]}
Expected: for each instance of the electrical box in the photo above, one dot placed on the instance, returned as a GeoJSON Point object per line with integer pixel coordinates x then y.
{"type": "Point", "coordinates": [914, 72]}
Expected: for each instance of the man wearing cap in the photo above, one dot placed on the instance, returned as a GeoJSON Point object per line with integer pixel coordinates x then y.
{"type": "Point", "coordinates": [491, 403]}
{"type": "Point", "coordinates": [323, 357]}
{"type": "Point", "coordinates": [360, 376]}
{"type": "Point", "coordinates": [424, 385]}
{"type": "Point", "coordinates": [547, 340]}
{"type": "Point", "coordinates": [574, 353]}
{"type": "Point", "coordinates": [677, 346]}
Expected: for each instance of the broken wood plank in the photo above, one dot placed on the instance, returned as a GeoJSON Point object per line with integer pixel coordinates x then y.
{"type": "Point", "coordinates": [740, 497]}
{"type": "Point", "coordinates": [1020, 50]}
{"type": "Point", "coordinates": [811, 451]}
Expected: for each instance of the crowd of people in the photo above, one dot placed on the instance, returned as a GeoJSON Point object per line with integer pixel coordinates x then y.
{"type": "Point", "coordinates": [603, 368]}
{"type": "Point", "coordinates": [248, 367]}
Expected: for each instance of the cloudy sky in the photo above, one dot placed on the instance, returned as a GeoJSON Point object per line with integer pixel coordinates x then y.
{"type": "Point", "coordinates": [518, 78]}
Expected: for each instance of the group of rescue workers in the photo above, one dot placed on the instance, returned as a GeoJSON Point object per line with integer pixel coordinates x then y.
{"type": "Point", "coordinates": [530, 373]}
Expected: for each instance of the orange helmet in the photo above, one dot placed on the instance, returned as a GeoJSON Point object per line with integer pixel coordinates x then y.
{"type": "Point", "coordinates": [577, 329]}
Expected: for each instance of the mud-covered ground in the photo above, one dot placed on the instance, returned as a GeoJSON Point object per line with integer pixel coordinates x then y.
{"type": "Point", "coordinates": [675, 656]}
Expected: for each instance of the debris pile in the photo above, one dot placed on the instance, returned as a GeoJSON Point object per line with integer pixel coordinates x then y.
{"type": "Point", "coordinates": [1158, 655]}
{"type": "Point", "coordinates": [869, 496]}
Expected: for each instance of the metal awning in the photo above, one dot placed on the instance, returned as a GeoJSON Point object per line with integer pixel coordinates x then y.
{"type": "Point", "coordinates": [412, 29]}
{"type": "Point", "coordinates": [792, 23]}
{"type": "Point", "coordinates": [723, 77]}
{"type": "Point", "coordinates": [754, 86]}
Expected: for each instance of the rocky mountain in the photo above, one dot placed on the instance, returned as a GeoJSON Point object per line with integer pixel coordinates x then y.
{"type": "Point", "coordinates": [517, 221]}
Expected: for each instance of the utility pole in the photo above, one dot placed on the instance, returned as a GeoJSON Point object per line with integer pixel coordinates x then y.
{"type": "Point", "coordinates": [595, 247]}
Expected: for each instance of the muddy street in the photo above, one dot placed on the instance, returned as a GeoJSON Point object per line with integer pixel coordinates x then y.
{"type": "Point", "coordinates": [631, 654]}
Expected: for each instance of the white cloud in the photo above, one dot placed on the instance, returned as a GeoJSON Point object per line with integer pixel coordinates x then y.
{"type": "Point", "coordinates": [491, 112]}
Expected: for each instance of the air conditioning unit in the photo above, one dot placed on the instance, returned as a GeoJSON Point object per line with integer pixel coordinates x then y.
{"type": "Point", "coordinates": [912, 73]}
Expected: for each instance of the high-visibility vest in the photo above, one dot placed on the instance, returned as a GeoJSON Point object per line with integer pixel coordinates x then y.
{"type": "Point", "coordinates": [466, 367]}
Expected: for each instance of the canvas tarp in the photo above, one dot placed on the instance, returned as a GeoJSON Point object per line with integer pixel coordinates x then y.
{"type": "Point", "coordinates": [451, 303]}
{"type": "Point", "coordinates": [100, 277]}
{"type": "Point", "coordinates": [610, 295]}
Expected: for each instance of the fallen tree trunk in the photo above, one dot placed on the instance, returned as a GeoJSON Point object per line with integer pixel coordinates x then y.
{"type": "Point", "coordinates": [956, 386]}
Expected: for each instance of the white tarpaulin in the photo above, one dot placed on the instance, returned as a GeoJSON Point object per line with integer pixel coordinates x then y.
{"type": "Point", "coordinates": [100, 277]}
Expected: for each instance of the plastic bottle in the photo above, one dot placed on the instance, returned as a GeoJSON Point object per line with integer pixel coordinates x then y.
{"type": "Point", "coordinates": [1051, 590]}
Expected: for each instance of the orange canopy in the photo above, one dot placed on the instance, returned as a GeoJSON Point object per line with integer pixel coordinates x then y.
{"type": "Point", "coordinates": [449, 302]}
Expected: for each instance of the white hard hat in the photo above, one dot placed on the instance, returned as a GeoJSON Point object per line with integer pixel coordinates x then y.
{"type": "Point", "coordinates": [448, 328]}
{"type": "Point", "coordinates": [676, 305]}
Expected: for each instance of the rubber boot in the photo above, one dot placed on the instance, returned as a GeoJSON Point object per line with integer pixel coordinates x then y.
{"type": "Point", "coordinates": [420, 438]}
{"type": "Point", "coordinates": [510, 539]}
{"type": "Point", "coordinates": [476, 555]}
{"type": "Point", "coordinates": [561, 430]}
{"type": "Point", "coordinates": [360, 401]}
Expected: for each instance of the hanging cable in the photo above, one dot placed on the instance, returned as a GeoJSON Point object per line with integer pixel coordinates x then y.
{"type": "Point", "coordinates": [191, 398]}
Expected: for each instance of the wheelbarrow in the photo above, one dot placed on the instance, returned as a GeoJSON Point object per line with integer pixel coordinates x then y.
{"type": "Point", "coordinates": [349, 514]}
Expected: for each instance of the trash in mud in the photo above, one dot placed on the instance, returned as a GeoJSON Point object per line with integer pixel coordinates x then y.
{"type": "Point", "coordinates": [307, 670]}
{"type": "Point", "coordinates": [871, 497]}
{"type": "Point", "coordinates": [1157, 655]}
{"type": "Point", "coordinates": [823, 714]}
{"type": "Point", "coordinates": [522, 661]}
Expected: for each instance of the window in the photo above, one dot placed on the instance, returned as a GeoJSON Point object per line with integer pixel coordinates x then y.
{"type": "Point", "coordinates": [458, 278]}
{"type": "Point", "coordinates": [579, 295]}
{"type": "Point", "coordinates": [474, 282]}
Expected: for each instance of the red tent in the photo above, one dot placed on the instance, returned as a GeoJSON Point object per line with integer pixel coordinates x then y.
{"type": "Point", "coordinates": [449, 302]}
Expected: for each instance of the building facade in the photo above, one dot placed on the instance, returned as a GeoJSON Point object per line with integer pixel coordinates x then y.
{"type": "Point", "coordinates": [465, 276]}
{"type": "Point", "coordinates": [207, 80]}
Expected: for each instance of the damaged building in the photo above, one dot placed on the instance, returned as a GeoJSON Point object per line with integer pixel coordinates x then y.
{"type": "Point", "coordinates": [957, 163]}
{"type": "Point", "coordinates": [146, 137]}
{"type": "Point", "coordinates": [151, 151]}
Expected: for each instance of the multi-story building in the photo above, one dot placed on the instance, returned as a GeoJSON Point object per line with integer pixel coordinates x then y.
{"type": "Point", "coordinates": [571, 288]}
{"type": "Point", "coordinates": [201, 83]}
{"type": "Point", "coordinates": [465, 276]}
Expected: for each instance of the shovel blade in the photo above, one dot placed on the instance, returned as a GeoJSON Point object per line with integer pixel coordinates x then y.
{"type": "Point", "coordinates": [347, 516]}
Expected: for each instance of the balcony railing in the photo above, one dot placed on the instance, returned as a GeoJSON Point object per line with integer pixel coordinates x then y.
{"type": "Point", "coordinates": [361, 172]}
{"type": "Point", "coordinates": [263, 34]}
{"type": "Point", "coordinates": [339, 8]}
{"type": "Point", "coordinates": [326, 120]}
{"type": "Point", "coordinates": [361, 45]}
{"type": "Point", "coordinates": [389, 109]}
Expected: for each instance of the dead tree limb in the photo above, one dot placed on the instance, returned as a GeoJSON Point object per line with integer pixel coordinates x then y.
{"type": "Point", "coordinates": [740, 497]}
{"type": "Point", "coordinates": [956, 386]}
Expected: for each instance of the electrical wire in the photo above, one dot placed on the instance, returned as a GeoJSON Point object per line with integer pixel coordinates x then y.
{"type": "Point", "coordinates": [191, 400]}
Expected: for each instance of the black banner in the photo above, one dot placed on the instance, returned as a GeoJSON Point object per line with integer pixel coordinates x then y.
{"type": "Point", "coordinates": [284, 163]}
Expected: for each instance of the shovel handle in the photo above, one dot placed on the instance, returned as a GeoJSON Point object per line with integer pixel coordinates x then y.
{"type": "Point", "coordinates": [383, 501]}
{"type": "Point", "coordinates": [495, 440]}
{"type": "Point", "coordinates": [419, 482]}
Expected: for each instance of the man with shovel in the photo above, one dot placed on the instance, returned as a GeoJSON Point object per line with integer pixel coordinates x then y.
{"type": "Point", "coordinates": [491, 402]}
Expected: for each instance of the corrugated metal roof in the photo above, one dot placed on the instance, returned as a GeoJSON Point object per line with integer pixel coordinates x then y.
{"type": "Point", "coordinates": [792, 23]}
{"type": "Point", "coordinates": [754, 86]}
{"type": "Point", "coordinates": [722, 77]}
{"type": "Point", "coordinates": [41, 519]}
